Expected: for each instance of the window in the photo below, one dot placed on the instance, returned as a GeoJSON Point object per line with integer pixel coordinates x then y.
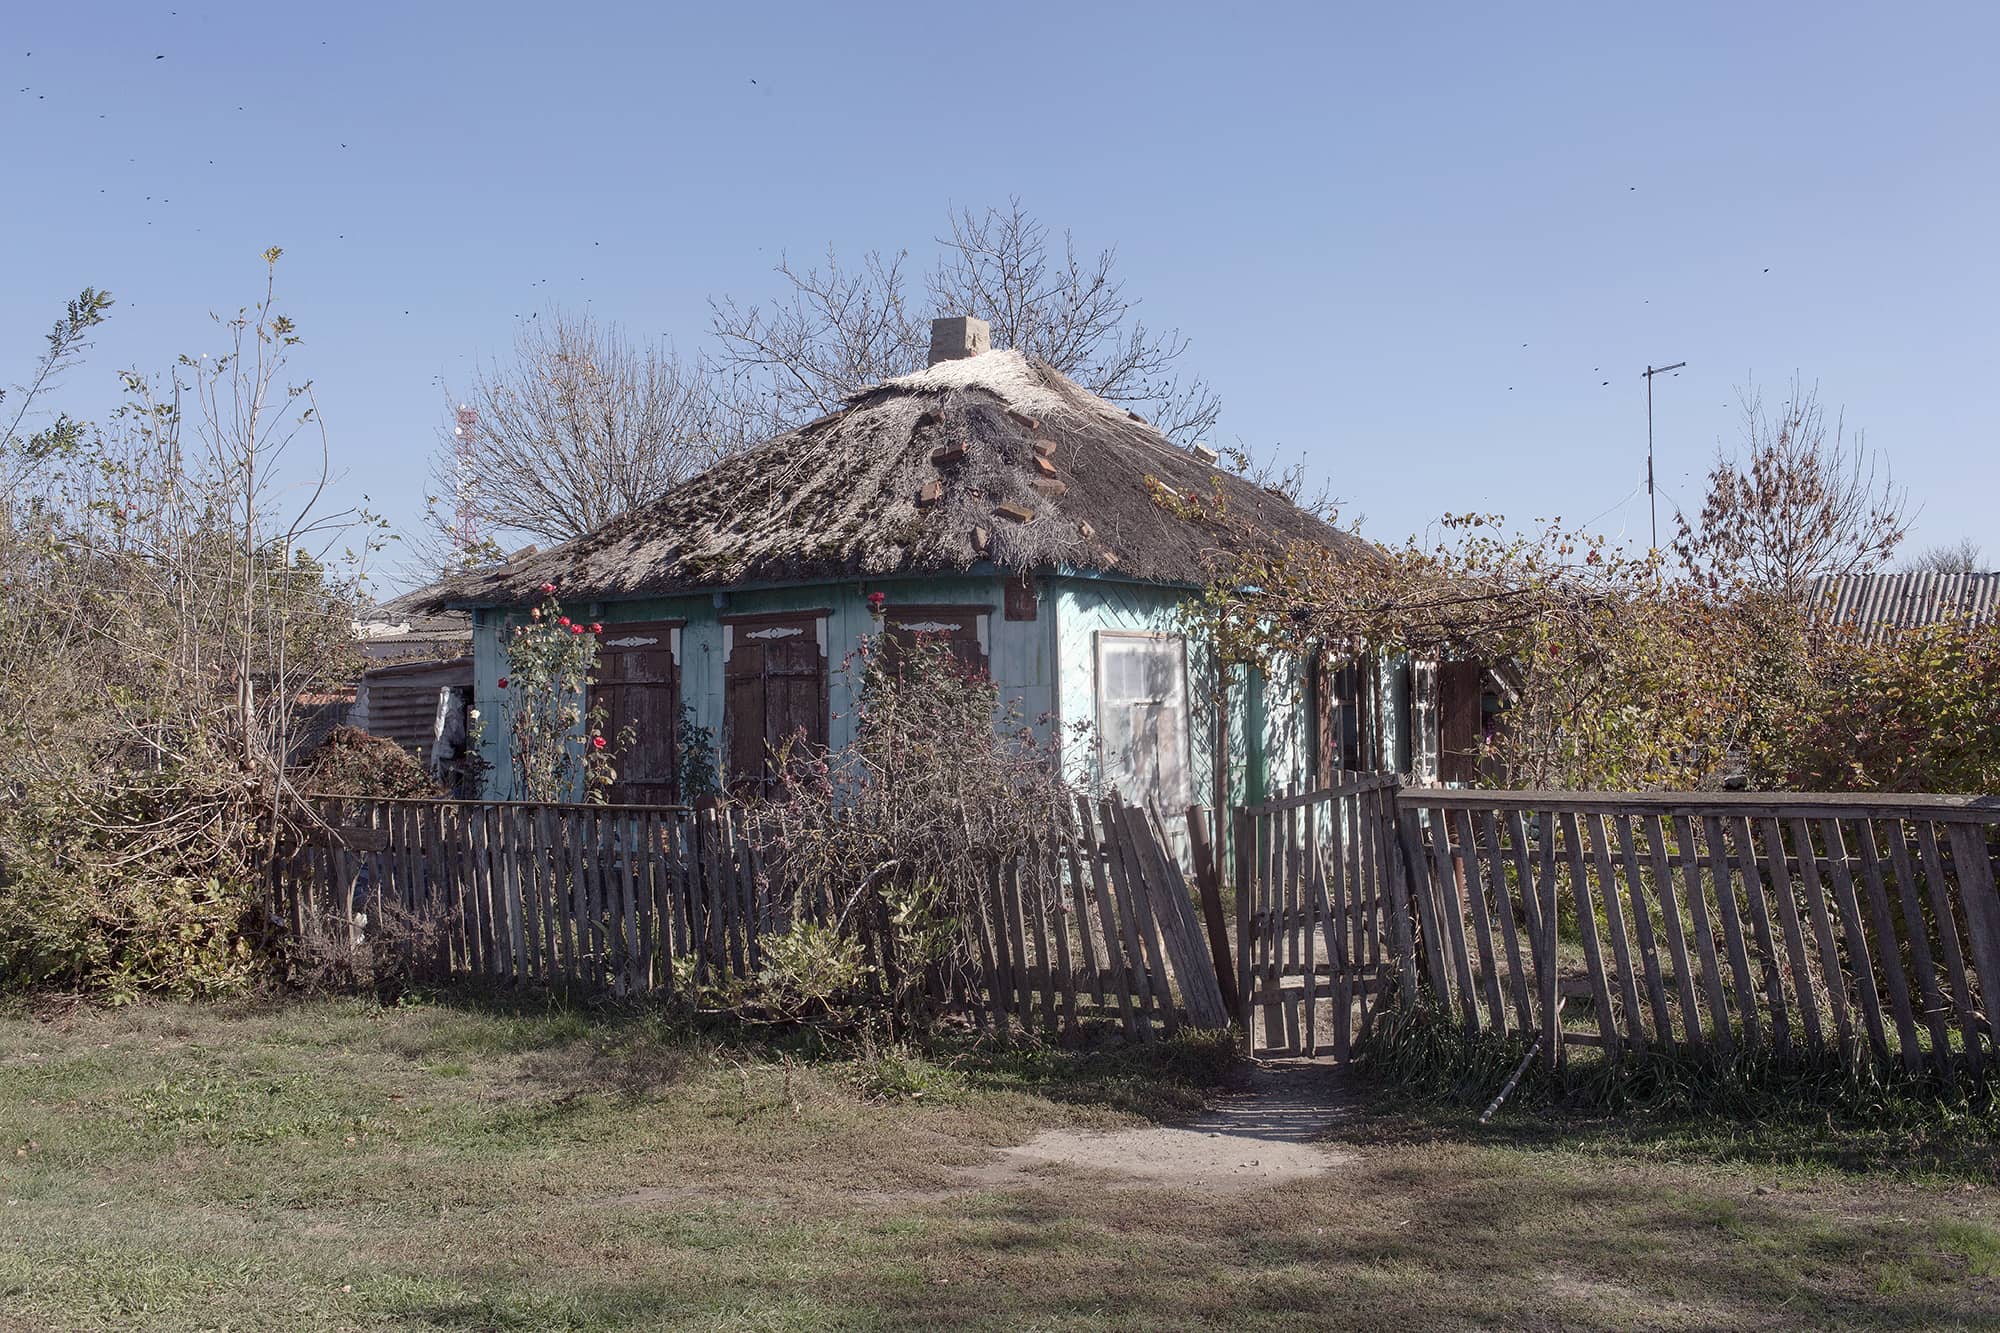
{"type": "Point", "coordinates": [1344, 698]}
{"type": "Point", "coordinates": [1142, 718]}
{"type": "Point", "coordinates": [962, 629]}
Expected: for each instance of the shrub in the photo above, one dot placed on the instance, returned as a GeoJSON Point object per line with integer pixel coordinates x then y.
{"type": "Point", "coordinates": [1914, 711]}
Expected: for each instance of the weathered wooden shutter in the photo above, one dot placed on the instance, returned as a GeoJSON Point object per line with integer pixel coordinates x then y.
{"type": "Point", "coordinates": [962, 629]}
{"type": "Point", "coordinates": [1458, 689]}
{"type": "Point", "coordinates": [638, 682]}
{"type": "Point", "coordinates": [774, 693]}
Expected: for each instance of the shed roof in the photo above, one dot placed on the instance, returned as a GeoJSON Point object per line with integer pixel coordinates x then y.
{"type": "Point", "coordinates": [994, 458]}
{"type": "Point", "coordinates": [1878, 603]}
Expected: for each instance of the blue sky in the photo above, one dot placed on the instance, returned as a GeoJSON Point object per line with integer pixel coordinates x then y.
{"type": "Point", "coordinates": [1407, 245]}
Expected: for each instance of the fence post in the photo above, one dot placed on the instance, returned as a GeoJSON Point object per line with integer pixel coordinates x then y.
{"type": "Point", "coordinates": [1208, 879]}
{"type": "Point", "coordinates": [1244, 890]}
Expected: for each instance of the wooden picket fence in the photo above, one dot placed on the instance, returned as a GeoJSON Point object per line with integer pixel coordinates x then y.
{"type": "Point", "coordinates": [1098, 923]}
{"type": "Point", "coordinates": [1862, 926]}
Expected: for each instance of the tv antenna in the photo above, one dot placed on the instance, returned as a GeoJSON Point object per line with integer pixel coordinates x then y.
{"type": "Point", "coordinates": [1652, 503]}
{"type": "Point", "coordinates": [465, 515]}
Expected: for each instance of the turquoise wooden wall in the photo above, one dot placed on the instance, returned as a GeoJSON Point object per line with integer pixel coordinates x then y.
{"type": "Point", "coordinates": [1047, 665]}
{"type": "Point", "coordinates": [1019, 651]}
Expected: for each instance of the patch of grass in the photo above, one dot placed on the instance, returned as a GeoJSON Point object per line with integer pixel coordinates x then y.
{"type": "Point", "coordinates": [513, 1163]}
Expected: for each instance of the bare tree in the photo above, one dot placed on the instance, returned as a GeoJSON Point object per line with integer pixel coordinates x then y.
{"type": "Point", "coordinates": [1798, 501]}
{"type": "Point", "coordinates": [580, 426]}
{"type": "Point", "coordinates": [1960, 557]}
{"type": "Point", "coordinates": [842, 327]}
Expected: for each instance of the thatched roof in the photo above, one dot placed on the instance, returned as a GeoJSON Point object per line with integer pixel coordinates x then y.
{"type": "Point", "coordinates": [989, 458]}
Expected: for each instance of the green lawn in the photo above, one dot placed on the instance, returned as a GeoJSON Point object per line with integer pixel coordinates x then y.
{"type": "Point", "coordinates": [333, 1164]}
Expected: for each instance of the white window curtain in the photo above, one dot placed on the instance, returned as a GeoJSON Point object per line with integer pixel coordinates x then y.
{"type": "Point", "coordinates": [1142, 718]}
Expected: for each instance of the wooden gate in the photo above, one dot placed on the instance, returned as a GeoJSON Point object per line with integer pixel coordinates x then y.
{"type": "Point", "coordinates": [1319, 915]}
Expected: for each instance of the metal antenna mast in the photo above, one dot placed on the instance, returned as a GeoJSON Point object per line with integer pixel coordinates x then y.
{"type": "Point", "coordinates": [1653, 504]}
{"type": "Point", "coordinates": [465, 526]}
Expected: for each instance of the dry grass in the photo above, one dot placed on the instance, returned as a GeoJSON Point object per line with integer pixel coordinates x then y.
{"type": "Point", "coordinates": [334, 1165]}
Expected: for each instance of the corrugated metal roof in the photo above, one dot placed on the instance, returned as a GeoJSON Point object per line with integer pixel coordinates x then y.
{"type": "Point", "coordinates": [1876, 603]}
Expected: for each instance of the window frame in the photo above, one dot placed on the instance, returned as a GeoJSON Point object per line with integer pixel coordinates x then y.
{"type": "Point", "coordinates": [1105, 637]}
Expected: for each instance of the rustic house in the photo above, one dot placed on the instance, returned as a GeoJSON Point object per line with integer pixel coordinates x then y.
{"type": "Point", "coordinates": [988, 499]}
{"type": "Point", "coordinates": [416, 689]}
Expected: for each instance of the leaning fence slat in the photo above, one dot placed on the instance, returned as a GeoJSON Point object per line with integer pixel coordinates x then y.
{"type": "Point", "coordinates": [1729, 911]}
{"type": "Point", "coordinates": [1270, 897]}
{"type": "Point", "coordinates": [1528, 893]}
{"type": "Point", "coordinates": [1451, 915]}
{"type": "Point", "coordinates": [1970, 860]}
{"type": "Point", "coordinates": [1510, 936]}
{"type": "Point", "coordinates": [1482, 922]}
{"type": "Point", "coordinates": [1860, 956]}
{"type": "Point", "coordinates": [1062, 915]}
{"type": "Point", "coordinates": [1586, 920]}
{"type": "Point", "coordinates": [1642, 927]}
{"type": "Point", "coordinates": [1676, 930]}
{"type": "Point", "coordinates": [1614, 919]}
{"type": "Point", "coordinates": [1936, 1017]}
{"type": "Point", "coordinates": [1288, 931]}
{"type": "Point", "coordinates": [1954, 956]}
{"type": "Point", "coordinates": [1795, 944]}
{"type": "Point", "coordinates": [1416, 862]}
{"type": "Point", "coordinates": [1111, 932]}
{"type": "Point", "coordinates": [1330, 903]}
{"type": "Point", "coordinates": [1335, 892]}
{"type": "Point", "coordinates": [1309, 906]}
{"type": "Point", "coordinates": [1016, 905]}
{"type": "Point", "coordinates": [1827, 944]}
{"type": "Point", "coordinates": [1200, 991]}
{"type": "Point", "coordinates": [1760, 932]}
{"type": "Point", "coordinates": [1149, 1005]}
{"type": "Point", "coordinates": [1889, 954]}
{"type": "Point", "coordinates": [992, 953]}
{"type": "Point", "coordinates": [631, 974]}
{"type": "Point", "coordinates": [1079, 898]}
{"type": "Point", "coordinates": [1552, 997]}
{"type": "Point", "coordinates": [1036, 901]}
{"type": "Point", "coordinates": [1118, 830]}
{"type": "Point", "coordinates": [1720, 1030]}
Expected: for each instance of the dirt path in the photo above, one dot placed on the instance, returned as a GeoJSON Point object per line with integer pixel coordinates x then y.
{"type": "Point", "coordinates": [1265, 1133]}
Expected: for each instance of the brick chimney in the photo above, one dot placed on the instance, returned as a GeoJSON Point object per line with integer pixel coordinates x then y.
{"type": "Point", "coordinates": [959, 337]}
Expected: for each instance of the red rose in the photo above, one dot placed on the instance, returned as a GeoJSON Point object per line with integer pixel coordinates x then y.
{"type": "Point", "coordinates": [597, 742]}
{"type": "Point", "coordinates": [564, 622]}
{"type": "Point", "coordinates": [596, 628]}
{"type": "Point", "coordinates": [549, 588]}
{"type": "Point", "coordinates": [503, 682]}
{"type": "Point", "coordinates": [576, 629]}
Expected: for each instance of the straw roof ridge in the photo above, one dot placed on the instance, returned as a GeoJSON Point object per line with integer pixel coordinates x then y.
{"type": "Point", "coordinates": [995, 458]}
